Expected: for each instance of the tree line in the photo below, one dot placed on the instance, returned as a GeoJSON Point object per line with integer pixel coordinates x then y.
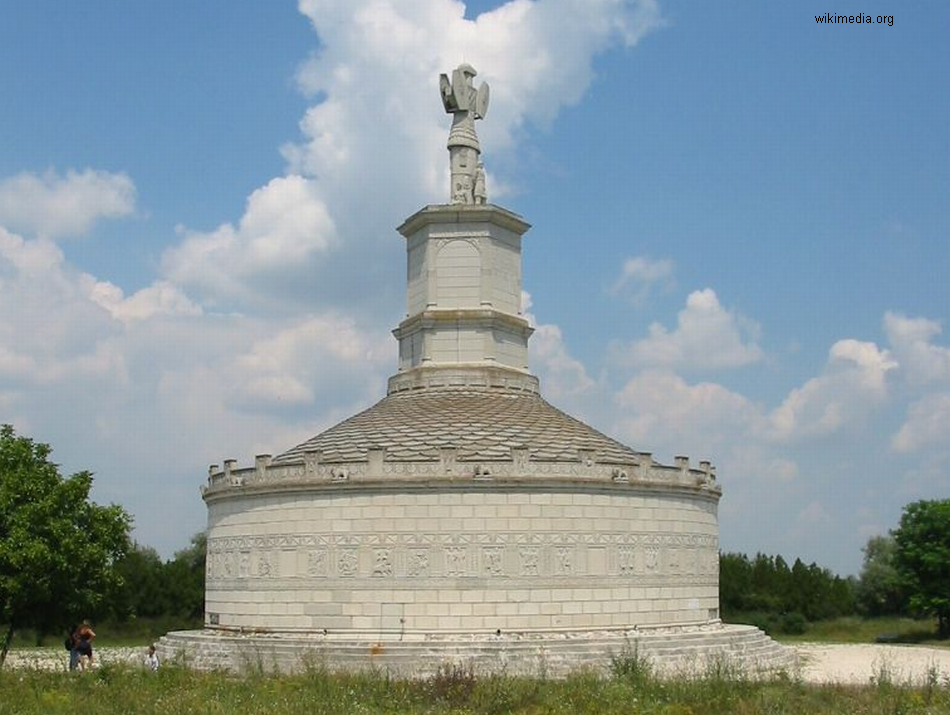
{"type": "Point", "coordinates": [905, 573]}
{"type": "Point", "coordinates": [778, 597]}
{"type": "Point", "coordinates": [64, 558]}
{"type": "Point", "coordinates": [150, 588]}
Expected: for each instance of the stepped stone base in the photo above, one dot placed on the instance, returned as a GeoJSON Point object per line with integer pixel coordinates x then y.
{"type": "Point", "coordinates": [672, 651]}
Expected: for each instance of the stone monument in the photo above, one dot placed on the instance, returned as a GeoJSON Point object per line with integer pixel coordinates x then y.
{"type": "Point", "coordinates": [465, 104]}
{"type": "Point", "coordinates": [463, 517]}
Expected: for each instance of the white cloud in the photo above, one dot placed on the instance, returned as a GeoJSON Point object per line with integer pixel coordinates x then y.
{"type": "Point", "coordinates": [378, 130]}
{"type": "Point", "coordinates": [159, 298]}
{"type": "Point", "coordinates": [561, 374]}
{"type": "Point", "coordinates": [927, 423]}
{"type": "Point", "coordinates": [313, 357]}
{"type": "Point", "coordinates": [150, 386]}
{"type": "Point", "coordinates": [911, 339]}
{"type": "Point", "coordinates": [49, 328]}
{"type": "Point", "coordinates": [707, 336]}
{"type": "Point", "coordinates": [55, 206]}
{"type": "Point", "coordinates": [373, 144]}
{"type": "Point", "coordinates": [284, 226]}
{"type": "Point", "coordinates": [814, 514]}
{"type": "Point", "coordinates": [853, 381]}
{"type": "Point", "coordinates": [660, 410]}
{"type": "Point", "coordinates": [640, 275]}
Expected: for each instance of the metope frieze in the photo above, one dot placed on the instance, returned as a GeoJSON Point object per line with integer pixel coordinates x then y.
{"type": "Point", "coordinates": [530, 558]}
{"type": "Point", "coordinates": [418, 563]}
{"type": "Point", "coordinates": [347, 562]}
{"type": "Point", "coordinates": [456, 560]}
{"type": "Point", "coordinates": [493, 560]}
{"type": "Point", "coordinates": [317, 563]}
{"type": "Point", "coordinates": [427, 555]}
{"type": "Point", "coordinates": [563, 560]}
{"type": "Point", "coordinates": [382, 563]}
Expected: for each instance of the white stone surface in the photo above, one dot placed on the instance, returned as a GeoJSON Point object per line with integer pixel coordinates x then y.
{"type": "Point", "coordinates": [463, 295]}
{"type": "Point", "coordinates": [383, 561]}
{"type": "Point", "coordinates": [466, 104]}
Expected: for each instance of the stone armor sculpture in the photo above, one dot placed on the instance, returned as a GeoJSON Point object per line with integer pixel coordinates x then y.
{"type": "Point", "coordinates": [465, 104]}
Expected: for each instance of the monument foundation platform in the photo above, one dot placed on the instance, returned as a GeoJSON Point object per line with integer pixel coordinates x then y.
{"type": "Point", "coordinates": [672, 650]}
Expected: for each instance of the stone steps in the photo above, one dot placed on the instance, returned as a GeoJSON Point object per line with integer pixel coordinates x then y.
{"type": "Point", "coordinates": [744, 648]}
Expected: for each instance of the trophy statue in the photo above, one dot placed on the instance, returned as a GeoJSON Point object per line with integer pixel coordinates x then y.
{"type": "Point", "coordinates": [465, 104]}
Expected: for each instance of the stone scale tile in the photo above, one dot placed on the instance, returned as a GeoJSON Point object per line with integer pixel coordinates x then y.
{"type": "Point", "coordinates": [481, 424]}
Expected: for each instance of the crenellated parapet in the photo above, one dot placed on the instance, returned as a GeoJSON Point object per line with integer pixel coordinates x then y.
{"type": "Point", "coordinates": [516, 470]}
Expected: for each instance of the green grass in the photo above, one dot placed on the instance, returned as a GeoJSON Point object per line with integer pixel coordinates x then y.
{"type": "Point", "coordinates": [135, 632]}
{"type": "Point", "coordinates": [867, 630]}
{"type": "Point", "coordinates": [631, 690]}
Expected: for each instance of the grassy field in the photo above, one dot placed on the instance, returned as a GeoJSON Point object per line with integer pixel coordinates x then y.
{"type": "Point", "coordinates": [869, 630]}
{"type": "Point", "coordinates": [631, 690]}
{"type": "Point", "coordinates": [136, 632]}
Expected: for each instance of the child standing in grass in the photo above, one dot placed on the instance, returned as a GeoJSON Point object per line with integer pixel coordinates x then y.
{"type": "Point", "coordinates": [151, 659]}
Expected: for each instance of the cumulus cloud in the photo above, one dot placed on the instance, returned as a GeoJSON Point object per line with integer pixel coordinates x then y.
{"type": "Point", "coordinates": [640, 275]}
{"type": "Point", "coordinates": [49, 329]}
{"type": "Point", "coordinates": [56, 206]}
{"type": "Point", "coordinates": [153, 385]}
{"type": "Point", "coordinates": [284, 226]}
{"type": "Point", "coordinates": [853, 381]}
{"type": "Point", "coordinates": [160, 298]}
{"type": "Point", "coordinates": [659, 408]}
{"type": "Point", "coordinates": [307, 359]}
{"type": "Point", "coordinates": [927, 423]}
{"type": "Point", "coordinates": [561, 374]}
{"type": "Point", "coordinates": [911, 339]}
{"type": "Point", "coordinates": [707, 336]}
{"type": "Point", "coordinates": [814, 514]}
{"type": "Point", "coordinates": [378, 128]}
{"type": "Point", "coordinates": [373, 144]}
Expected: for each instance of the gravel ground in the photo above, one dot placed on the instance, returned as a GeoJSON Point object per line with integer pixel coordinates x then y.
{"type": "Point", "coordinates": [58, 658]}
{"type": "Point", "coordinates": [860, 663]}
{"type": "Point", "coordinates": [820, 663]}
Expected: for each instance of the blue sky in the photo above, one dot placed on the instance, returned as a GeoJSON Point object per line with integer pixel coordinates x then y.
{"type": "Point", "coordinates": [739, 243]}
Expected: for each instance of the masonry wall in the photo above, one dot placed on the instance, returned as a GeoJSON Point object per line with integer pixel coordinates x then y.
{"type": "Point", "coordinates": [452, 560]}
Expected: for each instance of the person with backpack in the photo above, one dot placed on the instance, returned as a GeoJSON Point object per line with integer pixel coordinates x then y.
{"type": "Point", "coordinates": [72, 640]}
{"type": "Point", "coordinates": [84, 646]}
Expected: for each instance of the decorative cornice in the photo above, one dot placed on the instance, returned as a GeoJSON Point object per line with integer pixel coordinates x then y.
{"type": "Point", "coordinates": [458, 375]}
{"type": "Point", "coordinates": [449, 473]}
{"type": "Point", "coordinates": [464, 318]}
{"type": "Point", "coordinates": [456, 213]}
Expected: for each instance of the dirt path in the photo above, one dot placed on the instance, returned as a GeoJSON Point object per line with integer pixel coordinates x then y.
{"type": "Point", "coordinates": [860, 663]}
{"type": "Point", "coordinates": [820, 663]}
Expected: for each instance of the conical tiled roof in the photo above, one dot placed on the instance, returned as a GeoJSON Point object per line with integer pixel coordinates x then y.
{"type": "Point", "coordinates": [482, 425]}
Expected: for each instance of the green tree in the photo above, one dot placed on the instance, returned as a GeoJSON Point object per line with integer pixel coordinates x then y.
{"type": "Point", "coordinates": [185, 576]}
{"type": "Point", "coordinates": [880, 590]}
{"type": "Point", "coordinates": [141, 592]}
{"type": "Point", "coordinates": [923, 558]}
{"type": "Point", "coordinates": [57, 548]}
{"type": "Point", "coordinates": [735, 584]}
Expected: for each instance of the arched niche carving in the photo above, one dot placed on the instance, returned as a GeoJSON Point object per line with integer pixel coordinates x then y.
{"type": "Point", "coordinates": [458, 275]}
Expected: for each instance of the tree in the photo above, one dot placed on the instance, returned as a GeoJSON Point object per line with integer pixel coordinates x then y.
{"type": "Point", "coordinates": [923, 558]}
{"type": "Point", "coordinates": [141, 592]}
{"type": "Point", "coordinates": [881, 590]}
{"type": "Point", "coordinates": [186, 579]}
{"type": "Point", "coordinates": [57, 548]}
